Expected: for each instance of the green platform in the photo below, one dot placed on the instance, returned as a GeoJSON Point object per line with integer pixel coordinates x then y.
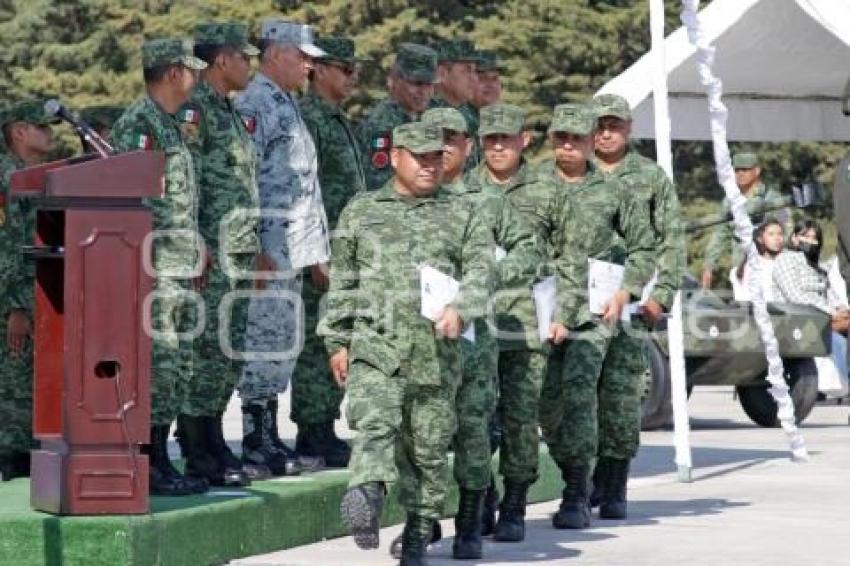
{"type": "Point", "coordinates": [271, 515]}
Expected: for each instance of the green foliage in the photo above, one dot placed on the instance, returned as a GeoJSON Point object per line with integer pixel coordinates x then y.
{"type": "Point", "coordinates": [88, 52]}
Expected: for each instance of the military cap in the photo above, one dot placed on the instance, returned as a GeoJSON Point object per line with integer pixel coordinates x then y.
{"type": "Point", "coordinates": [416, 62]}
{"type": "Point", "coordinates": [169, 51]}
{"type": "Point", "coordinates": [501, 118]}
{"type": "Point", "coordinates": [31, 111]}
{"type": "Point", "coordinates": [300, 35]}
{"type": "Point", "coordinates": [418, 137]}
{"type": "Point", "coordinates": [576, 119]}
{"type": "Point", "coordinates": [612, 105]}
{"type": "Point", "coordinates": [100, 117]}
{"type": "Point", "coordinates": [225, 33]}
{"type": "Point", "coordinates": [337, 49]}
{"type": "Point", "coordinates": [447, 119]}
{"type": "Point", "coordinates": [487, 60]}
{"type": "Point", "coordinates": [745, 160]}
{"type": "Point", "coordinates": [456, 50]}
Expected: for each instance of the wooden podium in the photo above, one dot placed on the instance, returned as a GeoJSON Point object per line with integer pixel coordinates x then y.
{"type": "Point", "coordinates": [91, 390]}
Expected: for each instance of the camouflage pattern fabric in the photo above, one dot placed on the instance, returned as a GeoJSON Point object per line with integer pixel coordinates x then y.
{"type": "Point", "coordinates": [403, 379]}
{"type": "Point", "coordinates": [293, 230]}
{"type": "Point", "coordinates": [375, 135]}
{"type": "Point", "coordinates": [470, 114]}
{"type": "Point", "coordinates": [145, 125]}
{"type": "Point", "coordinates": [170, 51]}
{"type": "Point", "coordinates": [225, 163]}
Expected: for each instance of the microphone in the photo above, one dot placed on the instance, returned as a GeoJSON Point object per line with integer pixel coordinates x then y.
{"type": "Point", "coordinates": [54, 108]}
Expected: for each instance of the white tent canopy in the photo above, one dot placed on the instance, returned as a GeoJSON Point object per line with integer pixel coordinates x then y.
{"type": "Point", "coordinates": [784, 65]}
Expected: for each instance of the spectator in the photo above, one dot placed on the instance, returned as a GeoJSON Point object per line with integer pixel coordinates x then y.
{"type": "Point", "coordinates": [769, 238]}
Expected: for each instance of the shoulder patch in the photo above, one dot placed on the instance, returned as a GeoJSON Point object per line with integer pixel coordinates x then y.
{"type": "Point", "coordinates": [142, 141]}
{"type": "Point", "coordinates": [380, 145]}
{"type": "Point", "coordinates": [189, 115]}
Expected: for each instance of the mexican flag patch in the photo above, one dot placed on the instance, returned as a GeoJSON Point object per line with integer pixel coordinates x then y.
{"type": "Point", "coordinates": [142, 141]}
{"type": "Point", "coordinates": [381, 142]}
{"type": "Point", "coordinates": [189, 116]}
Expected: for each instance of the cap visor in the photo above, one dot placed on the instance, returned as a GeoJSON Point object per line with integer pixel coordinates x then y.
{"type": "Point", "coordinates": [194, 63]}
{"type": "Point", "coordinates": [312, 50]}
{"type": "Point", "coordinates": [501, 131]}
{"type": "Point", "coordinates": [619, 115]}
{"type": "Point", "coordinates": [569, 130]}
{"type": "Point", "coordinates": [425, 148]}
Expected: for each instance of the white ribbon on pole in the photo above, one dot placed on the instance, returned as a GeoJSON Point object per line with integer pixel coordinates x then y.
{"type": "Point", "coordinates": [743, 226]}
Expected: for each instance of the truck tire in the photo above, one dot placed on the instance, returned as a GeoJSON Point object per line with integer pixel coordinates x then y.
{"type": "Point", "coordinates": [802, 378]}
{"type": "Point", "coordinates": [657, 410]}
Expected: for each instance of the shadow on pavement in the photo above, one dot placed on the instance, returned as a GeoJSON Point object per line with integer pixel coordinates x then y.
{"type": "Point", "coordinates": [655, 460]}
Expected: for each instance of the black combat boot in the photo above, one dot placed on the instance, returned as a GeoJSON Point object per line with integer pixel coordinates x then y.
{"type": "Point", "coordinates": [7, 468]}
{"type": "Point", "coordinates": [179, 436]}
{"type": "Point", "coordinates": [574, 512]}
{"type": "Point", "coordinates": [613, 504]}
{"type": "Point", "coordinates": [257, 446]}
{"type": "Point", "coordinates": [511, 524]}
{"type": "Point", "coordinates": [200, 462]}
{"type": "Point", "coordinates": [361, 508]}
{"type": "Point", "coordinates": [467, 544]}
{"type": "Point", "coordinates": [414, 540]}
{"type": "Point", "coordinates": [163, 478]}
{"type": "Point", "coordinates": [228, 459]}
{"type": "Point", "coordinates": [321, 441]}
{"type": "Point", "coordinates": [306, 463]}
{"type": "Point", "coordinates": [231, 468]}
{"type": "Point", "coordinates": [488, 513]}
{"type": "Point", "coordinates": [396, 544]}
{"type": "Point", "coordinates": [600, 475]}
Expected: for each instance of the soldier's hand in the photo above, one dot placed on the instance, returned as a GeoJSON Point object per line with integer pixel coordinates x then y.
{"type": "Point", "coordinates": [652, 312]}
{"type": "Point", "coordinates": [319, 276]}
{"type": "Point", "coordinates": [263, 263]}
{"type": "Point", "coordinates": [614, 307]}
{"type": "Point", "coordinates": [557, 333]}
{"type": "Point", "coordinates": [339, 366]}
{"type": "Point", "coordinates": [449, 324]}
{"type": "Point", "coordinates": [707, 278]}
{"type": "Point", "coordinates": [18, 331]}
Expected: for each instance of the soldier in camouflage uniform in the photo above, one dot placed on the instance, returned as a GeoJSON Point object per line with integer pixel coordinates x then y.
{"type": "Point", "coordinates": [648, 182]}
{"type": "Point", "coordinates": [28, 140]}
{"type": "Point", "coordinates": [488, 79]}
{"type": "Point", "coordinates": [759, 196]}
{"type": "Point", "coordinates": [410, 86]}
{"type": "Point", "coordinates": [225, 168]}
{"type": "Point", "coordinates": [522, 355]}
{"type": "Point", "coordinates": [589, 390]}
{"type": "Point", "coordinates": [293, 235]}
{"type": "Point", "coordinates": [315, 396]}
{"type": "Point", "coordinates": [400, 369]}
{"type": "Point", "coordinates": [456, 60]}
{"type": "Point", "coordinates": [476, 396]}
{"type": "Point", "coordinates": [170, 72]}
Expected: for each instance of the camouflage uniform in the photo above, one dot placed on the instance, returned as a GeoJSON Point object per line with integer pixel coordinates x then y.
{"type": "Point", "coordinates": [414, 62]}
{"type": "Point", "coordinates": [402, 380]}
{"type": "Point", "coordinates": [289, 184]}
{"type": "Point", "coordinates": [315, 396]}
{"type": "Point", "coordinates": [146, 125]}
{"type": "Point", "coordinates": [225, 164]}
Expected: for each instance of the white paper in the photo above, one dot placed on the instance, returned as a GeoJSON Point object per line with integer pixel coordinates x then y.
{"type": "Point", "coordinates": [545, 302]}
{"type": "Point", "coordinates": [438, 290]}
{"type": "Point", "coordinates": [603, 280]}
{"type": "Point", "coordinates": [500, 253]}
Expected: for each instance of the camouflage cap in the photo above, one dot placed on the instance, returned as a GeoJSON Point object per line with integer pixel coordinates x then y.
{"type": "Point", "coordinates": [31, 112]}
{"type": "Point", "coordinates": [418, 137]}
{"type": "Point", "coordinates": [501, 118]}
{"type": "Point", "coordinates": [416, 62]}
{"type": "Point", "coordinates": [225, 33]}
{"type": "Point", "coordinates": [456, 50]}
{"type": "Point", "coordinates": [612, 105]}
{"type": "Point", "coordinates": [169, 51]}
{"type": "Point", "coordinates": [578, 119]}
{"type": "Point", "coordinates": [487, 60]}
{"type": "Point", "coordinates": [294, 33]}
{"type": "Point", "coordinates": [447, 119]}
{"type": "Point", "coordinates": [337, 48]}
{"type": "Point", "coordinates": [745, 160]}
{"type": "Point", "coordinates": [100, 117]}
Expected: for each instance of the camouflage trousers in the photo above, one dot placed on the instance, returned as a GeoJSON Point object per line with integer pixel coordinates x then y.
{"type": "Point", "coordinates": [520, 379]}
{"type": "Point", "coordinates": [591, 396]}
{"type": "Point", "coordinates": [215, 372]}
{"type": "Point", "coordinates": [403, 433]}
{"type": "Point", "coordinates": [315, 395]}
{"type": "Point", "coordinates": [171, 366]}
{"type": "Point", "coordinates": [275, 330]}
{"type": "Point", "coordinates": [475, 406]}
{"type": "Point", "coordinates": [16, 374]}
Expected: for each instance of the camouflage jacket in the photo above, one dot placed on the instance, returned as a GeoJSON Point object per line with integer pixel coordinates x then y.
{"type": "Point", "coordinates": [535, 200]}
{"type": "Point", "coordinates": [374, 303]}
{"type": "Point", "coordinates": [470, 114]}
{"type": "Point", "coordinates": [644, 177]}
{"type": "Point", "coordinates": [225, 166]}
{"type": "Point", "coordinates": [594, 214]}
{"type": "Point", "coordinates": [375, 134]}
{"type": "Point", "coordinates": [340, 162]}
{"type": "Point", "coordinates": [723, 236]}
{"type": "Point", "coordinates": [145, 125]}
{"type": "Point", "coordinates": [293, 229]}
{"type": "Point", "coordinates": [17, 276]}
